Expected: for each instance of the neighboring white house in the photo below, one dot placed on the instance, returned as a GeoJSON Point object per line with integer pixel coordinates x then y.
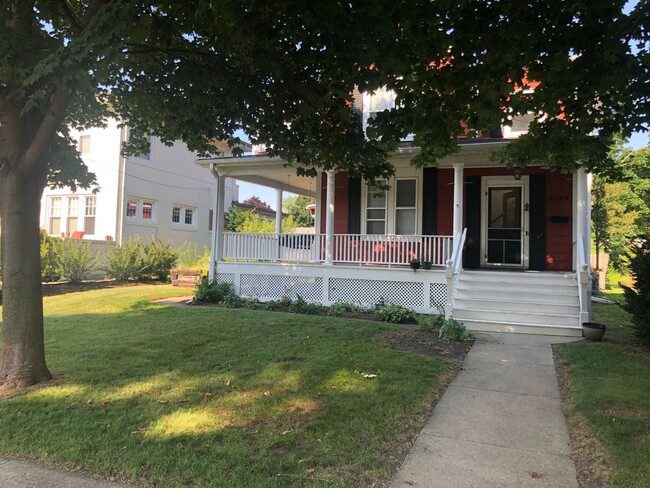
{"type": "Point", "coordinates": [161, 193]}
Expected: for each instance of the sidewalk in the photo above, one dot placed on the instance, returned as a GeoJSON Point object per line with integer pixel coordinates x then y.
{"type": "Point", "coordinates": [499, 424]}
{"type": "Point", "coordinates": [22, 474]}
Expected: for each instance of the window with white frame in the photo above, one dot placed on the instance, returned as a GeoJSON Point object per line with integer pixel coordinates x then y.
{"type": "Point", "coordinates": [84, 144]}
{"type": "Point", "coordinates": [376, 209]}
{"type": "Point", "coordinates": [72, 215]}
{"type": "Point", "coordinates": [141, 209]}
{"type": "Point", "coordinates": [406, 206]}
{"type": "Point", "coordinates": [184, 216]}
{"type": "Point", "coordinates": [90, 212]}
{"type": "Point", "coordinates": [54, 210]}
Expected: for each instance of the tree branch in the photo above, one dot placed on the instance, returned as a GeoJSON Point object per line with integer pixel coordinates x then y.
{"type": "Point", "coordinates": [51, 121]}
{"type": "Point", "coordinates": [74, 22]}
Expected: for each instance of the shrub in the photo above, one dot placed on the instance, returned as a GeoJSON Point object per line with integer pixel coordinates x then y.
{"type": "Point", "coordinates": [395, 314]}
{"type": "Point", "coordinates": [340, 308]}
{"type": "Point", "coordinates": [213, 291]}
{"type": "Point", "coordinates": [50, 260]}
{"type": "Point", "coordinates": [430, 322]}
{"type": "Point", "coordinates": [190, 257]}
{"type": "Point", "coordinates": [76, 260]}
{"type": "Point", "coordinates": [454, 331]}
{"type": "Point", "coordinates": [125, 261]}
{"type": "Point", "coordinates": [638, 297]}
{"type": "Point", "coordinates": [301, 306]}
{"type": "Point", "coordinates": [159, 258]}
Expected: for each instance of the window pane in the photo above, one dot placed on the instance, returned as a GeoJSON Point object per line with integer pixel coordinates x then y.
{"type": "Point", "coordinates": [91, 206]}
{"type": "Point", "coordinates": [405, 193]}
{"type": "Point", "coordinates": [89, 225]}
{"type": "Point", "coordinates": [72, 225]}
{"type": "Point", "coordinates": [376, 214]}
{"type": "Point", "coordinates": [176, 215]}
{"type": "Point", "coordinates": [84, 144]}
{"type": "Point", "coordinates": [189, 216]}
{"type": "Point", "coordinates": [131, 208]}
{"type": "Point", "coordinates": [376, 227]}
{"type": "Point", "coordinates": [376, 199]}
{"type": "Point", "coordinates": [405, 222]}
{"type": "Point", "coordinates": [55, 225]}
{"type": "Point", "coordinates": [147, 210]}
{"type": "Point", "coordinates": [55, 207]}
{"type": "Point", "coordinates": [73, 206]}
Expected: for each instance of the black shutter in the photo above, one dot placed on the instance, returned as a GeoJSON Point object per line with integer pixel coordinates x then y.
{"type": "Point", "coordinates": [473, 222]}
{"type": "Point", "coordinates": [354, 206]}
{"type": "Point", "coordinates": [429, 201]}
{"type": "Point", "coordinates": [537, 222]}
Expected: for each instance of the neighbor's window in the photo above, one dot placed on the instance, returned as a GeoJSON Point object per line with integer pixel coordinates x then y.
{"type": "Point", "coordinates": [376, 210]}
{"type": "Point", "coordinates": [54, 204]}
{"type": "Point", "coordinates": [90, 211]}
{"type": "Point", "coordinates": [73, 215]}
{"type": "Point", "coordinates": [183, 215]}
{"type": "Point", "coordinates": [147, 210]}
{"type": "Point", "coordinates": [132, 208]}
{"type": "Point", "coordinates": [84, 144]}
{"type": "Point", "coordinates": [405, 206]}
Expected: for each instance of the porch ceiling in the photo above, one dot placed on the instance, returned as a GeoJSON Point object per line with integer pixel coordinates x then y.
{"type": "Point", "coordinates": [262, 170]}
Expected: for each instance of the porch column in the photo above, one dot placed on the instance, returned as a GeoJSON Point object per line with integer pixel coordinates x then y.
{"type": "Point", "coordinates": [329, 219]}
{"type": "Point", "coordinates": [213, 236]}
{"type": "Point", "coordinates": [583, 210]}
{"type": "Point", "coordinates": [278, 211]}
{"type": "Point", "coordinates": [220, 212]}
{"type": "Point", "coordinates": [458, 199]}
{"type": "Point", "coordinates": [278, 221]}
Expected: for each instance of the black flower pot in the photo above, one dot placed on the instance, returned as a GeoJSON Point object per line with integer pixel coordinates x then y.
{"type": "Point", "coordinates": [415, 265]}
{"type": "Point", "coordinates": [593, 331]}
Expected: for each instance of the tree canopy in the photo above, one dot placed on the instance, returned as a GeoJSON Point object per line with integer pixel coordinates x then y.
{"type": "Point", "coordinates": [285, 73]}
{"type": "Point", "coordinates": [296, 207]}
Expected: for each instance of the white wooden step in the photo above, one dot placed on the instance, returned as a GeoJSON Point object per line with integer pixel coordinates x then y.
{"type": "Point", "coordinates": [509, 305]}
{"type": "Point", "coordinates": [543, 329]}
{"type": "Point", "coordinates": [515, 317]}
{"type": "Point", "coordinates": [534, 296]}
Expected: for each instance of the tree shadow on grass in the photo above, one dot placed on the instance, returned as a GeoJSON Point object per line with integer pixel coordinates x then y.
{"type": "Point", "coordinates": [183, 396]}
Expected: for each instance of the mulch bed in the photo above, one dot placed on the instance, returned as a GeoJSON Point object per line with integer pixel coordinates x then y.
{"type": "Point", "coordinates": [418, 341]}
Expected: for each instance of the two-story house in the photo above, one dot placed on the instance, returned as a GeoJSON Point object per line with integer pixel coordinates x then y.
{"type": "Point", "coordinates": [158, 193]}
{"type": "Point", "coordinates": [508, 249]}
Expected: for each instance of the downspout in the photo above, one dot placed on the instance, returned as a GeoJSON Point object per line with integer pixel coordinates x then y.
{"type": "Point", "coordinates": [121, 169]}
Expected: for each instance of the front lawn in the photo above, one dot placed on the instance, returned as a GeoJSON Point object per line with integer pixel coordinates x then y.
{"type": "Point", "coordinates": [608, 403]}
{"type": "Point", "coordinates": [193, 396]}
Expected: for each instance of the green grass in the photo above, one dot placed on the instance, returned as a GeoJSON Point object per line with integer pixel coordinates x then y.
{"type": "Point", "coordinates": [193, 396]}
{"type": "Point", "coordinates": [611, 389]}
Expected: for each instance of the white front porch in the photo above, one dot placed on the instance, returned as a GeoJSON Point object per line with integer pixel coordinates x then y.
{"type": "Point", "coordinates": [328, 267]}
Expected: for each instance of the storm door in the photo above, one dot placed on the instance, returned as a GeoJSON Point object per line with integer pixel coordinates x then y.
{"type": "Point", "coordinates": [505, 223]}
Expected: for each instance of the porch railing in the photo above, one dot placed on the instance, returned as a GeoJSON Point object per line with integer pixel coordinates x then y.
{"type": "Point", "coordinates": [584, 280]}
{"type": "Point", "coordinates": [453, 269]}
{"type": "Point", "coordinates": [356, 249]}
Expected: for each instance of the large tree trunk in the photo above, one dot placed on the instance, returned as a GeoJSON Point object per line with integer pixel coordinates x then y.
{"type": "Point", "coordinates": [23, 351]}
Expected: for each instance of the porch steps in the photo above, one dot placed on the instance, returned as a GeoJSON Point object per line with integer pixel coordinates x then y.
{"type": "Point", "coordinates": [524, 302]}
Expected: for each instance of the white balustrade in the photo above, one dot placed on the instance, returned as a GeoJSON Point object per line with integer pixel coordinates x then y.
{"type": "Point", "coordinates": [383, 250]}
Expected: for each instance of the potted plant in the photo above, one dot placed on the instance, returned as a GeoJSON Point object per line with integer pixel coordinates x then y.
{"type": "Point", "coordinates": [427, 264]}
{"type": "Point", "coordinates": [415, 264]}
{"type": "Point", "coordinates": [593, 331]}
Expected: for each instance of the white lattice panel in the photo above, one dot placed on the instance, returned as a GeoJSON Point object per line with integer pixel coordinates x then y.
{"type": "Point", "coordinates": [226, 278]}
{"type": "Point", "coordinates": [438, 296]}
{"type": "Point", "coordinates": [274, 286]}
{"type": "Point", "coordinates": [369, 292]}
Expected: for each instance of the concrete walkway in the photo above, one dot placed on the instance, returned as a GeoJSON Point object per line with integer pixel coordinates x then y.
{"type": "Point", "coordinates": [499, 424]}
{"type": "Point", "coordinates": [15, 473]}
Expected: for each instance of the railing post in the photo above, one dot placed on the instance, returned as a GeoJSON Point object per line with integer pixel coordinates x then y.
{"type": "Point", "coordinates": [278, 222]}
{"type": "Point", "coordinates": [449, 274]}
